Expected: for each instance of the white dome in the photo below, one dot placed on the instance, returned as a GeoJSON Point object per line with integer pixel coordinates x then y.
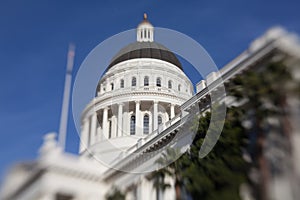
{"type": "Point", "coordinates": [136, 96]}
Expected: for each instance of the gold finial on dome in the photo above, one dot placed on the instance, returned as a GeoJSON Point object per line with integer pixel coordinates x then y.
{"type": "Point", "coordinates": [145, 16]}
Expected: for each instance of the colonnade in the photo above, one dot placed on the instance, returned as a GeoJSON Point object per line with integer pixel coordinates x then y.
{"type": "Point", "coordinates": [118, 124]}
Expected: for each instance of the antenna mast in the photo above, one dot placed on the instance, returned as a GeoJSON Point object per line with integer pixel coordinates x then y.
{"type": "Point", "coordinates": [66, 98]}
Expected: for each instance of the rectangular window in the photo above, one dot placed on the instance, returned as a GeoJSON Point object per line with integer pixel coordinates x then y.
{"type": "Point", "coordinates": [132, 125]}
{"type": "Point", "coordinates": [146, 81]}
{"type": "Point", "coordinates": [146, 124]}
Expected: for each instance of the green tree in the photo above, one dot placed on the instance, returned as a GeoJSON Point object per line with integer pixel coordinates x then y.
{"type": "Point", "coordinates": [219, 174]}
{"type": "Point", "coordinates": [173, 169]}
{"type": "Point", "coordinates": [263, 93]}
{"type": "Point", "coordinates": [158, 179]}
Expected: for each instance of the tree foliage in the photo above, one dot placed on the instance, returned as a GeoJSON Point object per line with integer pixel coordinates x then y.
{"type": "Point", "coordinates": [220, 173]}
{"type": "Point", "coordinates": [265, 93]}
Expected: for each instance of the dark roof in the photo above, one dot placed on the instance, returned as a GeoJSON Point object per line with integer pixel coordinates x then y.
{"type": "Point", "coordinates": [145, 50]}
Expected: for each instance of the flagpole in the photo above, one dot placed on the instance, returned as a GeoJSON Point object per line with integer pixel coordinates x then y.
{"type": "Point", "coordinates": [66, 98]}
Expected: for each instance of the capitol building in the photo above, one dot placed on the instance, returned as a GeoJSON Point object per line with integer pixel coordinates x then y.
{"type": "Point", "coordinates": [142, 88]}
{"type": "Point", "coordinates": [142, 103]}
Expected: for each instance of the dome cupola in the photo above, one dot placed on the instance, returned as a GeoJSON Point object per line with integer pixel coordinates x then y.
{"type": "Point", "coordinates": [145, 31]}
{"type": "Point", "coordinates": [145, 47]}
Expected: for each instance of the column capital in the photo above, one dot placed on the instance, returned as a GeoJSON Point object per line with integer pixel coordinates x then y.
{"type": "Point", "coordinates": [155, 102]}
{"type": "Point", "coordinates": [121, 104]}
{"type": "Point", "coordinates": [137, 101]}
{"type": "Point", "coordinates": [105, 108]}
{"type": "Point", "coordinates": [95, 113]}
{"type": "Point", "coordinates": [85, 120]}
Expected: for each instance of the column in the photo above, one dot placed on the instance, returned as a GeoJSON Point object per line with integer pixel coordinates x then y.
{"type": "Point", "coordinates": [155, 115]}
{"type": "Point", "coordinates": [93, 128]}
{"type": "Point", "coordinates": [98, 134]}
{"type": "Point", "coordinates": [137, 118]}
{"type": "Point", "coordinates": [114, 126]}
{"type": "Point", "coordinates": [84, 135]}
{"type": "Point", "coordinates": [172, 111]}
{"type": "Point", "coordinates": [105, 123]}
{"type": "Point", "coordinates": [126, 123]}
{"type": "Point", "coordinates": [120, 120]}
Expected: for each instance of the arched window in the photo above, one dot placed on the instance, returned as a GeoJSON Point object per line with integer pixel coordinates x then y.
{"type": "Point", "coordinates": [133, 81]}
{"type": "Point", "coordinates": [179, 87]}
{"type": "Point", "coordinates": [146, 81]}
{"type": "Point", "coordinates": [132, 125]}
{"type": "Point", "coordinates": [159, 120]}
{"type": "Point", "coordinates": [170, 84]}
{"type": "Point", "coordinates": [158, 82]}
{"type": "Point", "coordinates": [112, 86]}
{"type": "Point", "coordinates": [146, 124]}
{"type": "Point", "coordinates": [122, 83]}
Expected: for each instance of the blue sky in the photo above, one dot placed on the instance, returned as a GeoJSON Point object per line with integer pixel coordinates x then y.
{"type": "Point", "coordinates": [34, 37]}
